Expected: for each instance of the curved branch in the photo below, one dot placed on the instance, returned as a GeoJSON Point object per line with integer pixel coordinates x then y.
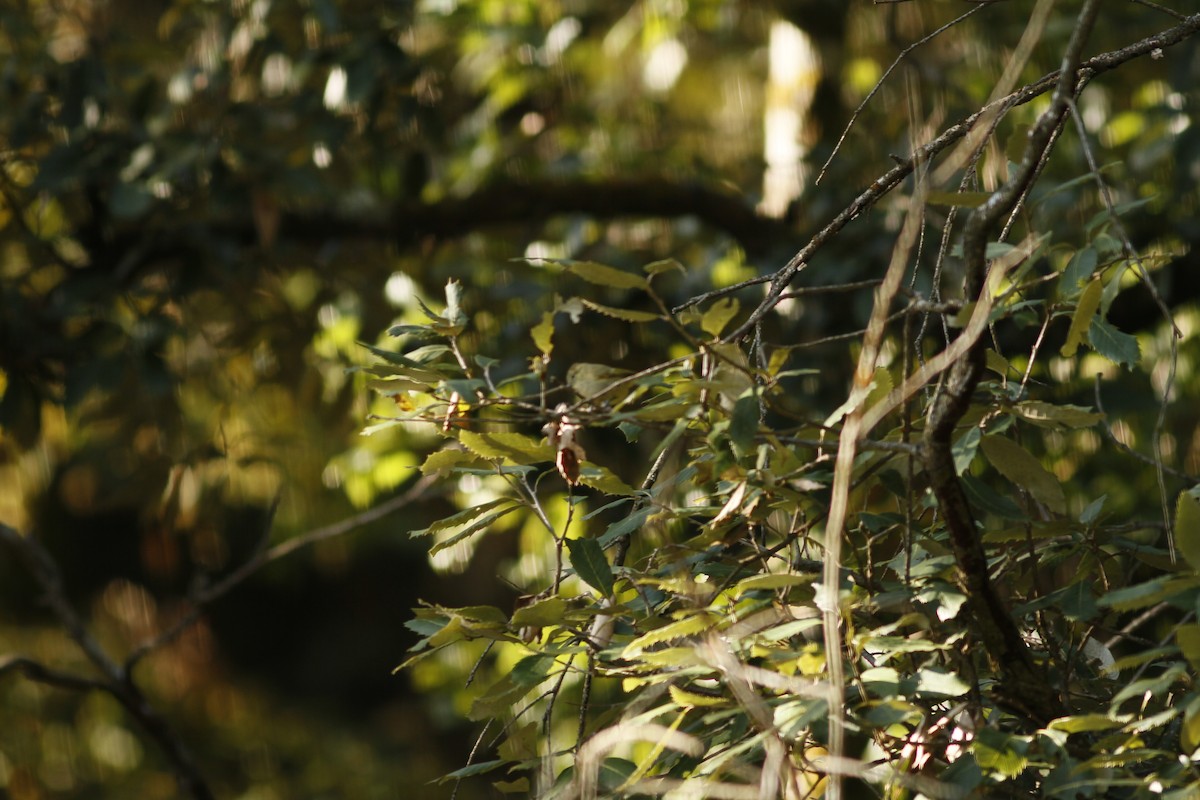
{"type": "Point", "coordinates": [1022, 686]}
{"type": "Point", "coordinates": [885, 183]}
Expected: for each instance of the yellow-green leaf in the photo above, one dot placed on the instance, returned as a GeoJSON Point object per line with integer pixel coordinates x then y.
{"type": "Point", "coordinates": [541, 614]}
{"type": "Point", "coordinates": [441, 461]}
{"type": "Point", "coordinates": [688, 626]}
{"type": "Point", "coordinates": [603, 479]}
{"type": "Point", "coordinates": [1188, 639]}
{"type": "Point", "coordinates": [718, 315]}
{"type": "Point", "coordinates": [685, 699]}
{"type": "Point", "coordinates": [604, 275]}
{"type": "Point", "coordinates": [1020, 467]}
{"type": "Point", "coordinates": [543, 333]}
{"type": "Point", "coordinates": [514, 447]}
{"type": "Point", "coordinates": [623, 314]}
{"type": "Point", "coordinates": [1081, 320]}
{"type": "Point", "coordinates": [1187, 528]}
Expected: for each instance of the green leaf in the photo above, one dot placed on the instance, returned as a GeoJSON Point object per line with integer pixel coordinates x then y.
{"type": "Point", "coordinates": [1020, 467]}
{"type": "Point", "coordinates": [623, 314]}
{"type": "Point", "coordinates": [542, 614]}
{"type": "Point", "coordinates": [688, 626]}
{"type": "Point", "coordinates": [514, 447]}
{"type": "Point", "coordinates": [664, 265]}
{"type": "Point", "coordinates": [1084, 723]}
{"type": "Point", "coordinates": [1187, 528]}
{"type": "Point", "coordinates": [941, 684]}
{"type": "Point", "coordinates": [603, 479]}
{"type": "Point", "coordinates": [963, 450]}
{"type": "Point", "coordinates": [1188, 638]}
{"type": "Point", "coordinates": [604, 275]}
{"type": "Point", "coordinates": [462, 517]}
{"type": "Point", "coordinates": [587, 558]}
{"type": "Point", "coordinates": [475, 527]}
{"type": "Point", "coordinates": [625, 526]}
{"type": "Point", "coordinates": [1078, 269]}
{"type": "Point", "coordinates": [543, 333]}
{"type": "Point", "coordinates": [593, 380]}
{"type": "Point", "coordinates": [743, 424]}
{"type": "Point", "coordinates": [1085, 312]}
{"type": "Point", "coordinates": [1115, 345]}
{"type": "Point", "coordinates": [1048, 415]}
{"type": "Point", "coordinates": [718, 316]}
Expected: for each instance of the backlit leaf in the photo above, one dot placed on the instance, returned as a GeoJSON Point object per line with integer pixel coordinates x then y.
{"type": "Point", "coordinates": [1081, 320]}
{"type": "Point", "coordinates": [623, 314]}
{"type": "Point", "coordinates": [604, 275]}
{"type": "Point", "coordinates": [718, 315]}
{"type": "Point", "coordinates": [514, 447]}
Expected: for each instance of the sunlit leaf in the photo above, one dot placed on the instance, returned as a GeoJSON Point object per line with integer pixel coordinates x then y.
{"type": "Point", "coordinates": [514, 447]}
{"type": "Point", "coordinates": [604, 275]}
{"type": "Point", "coordinates": [1081, 319]}
{"type": "Point", "coordinates": [718, 315]}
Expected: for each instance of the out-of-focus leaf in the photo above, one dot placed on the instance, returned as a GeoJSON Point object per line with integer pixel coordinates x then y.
{"type": "Point", "coordinates": [543, 333]}
{"type": "Point", "coordinates": [604, 275]}
{"type": "Point", "coordinates": [718, 315]}
{"type": "Point", "coordinates": [1187, 528]}
{"type": "Point", "coordinates": [623, 314]}
{"type": "Point", "coordinates": [1020, 467]}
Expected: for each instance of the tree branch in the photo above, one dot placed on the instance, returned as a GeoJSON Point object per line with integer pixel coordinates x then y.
{"type": "Point", "coordinates": [45, 572]}
{"type": "Point", "coordinates": [885, 183]}
{"type": "Point", "coordinates": [1022, 686]}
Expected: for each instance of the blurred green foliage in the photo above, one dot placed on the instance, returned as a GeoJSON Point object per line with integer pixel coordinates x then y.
{"type": "Point", "coordinates": [207, 208]}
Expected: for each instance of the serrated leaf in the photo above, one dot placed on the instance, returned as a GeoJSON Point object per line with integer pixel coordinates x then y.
{"type": "Point", "coordinates": [514, 447]}
{"type": "Point", "coordinates": [664, 265]}
{"type": "Point", "coordinates": [1048, 415]}
{"type": "Point", "coordinates": [462, 517]}
{"type": "Point", "coordinates": [623, 314]}
{"type": "Point", "coordinates": [603, 479]}
{"type": "Point", "coordinates": [475, 527]}
{"type": "Point", "coordinates": [718, 316]}
{"type": "Point", "coordinates": [1115, 345]}
{"type": "Point", "coordinates": [543, 333]}
{"type": "Point", "coordinates": [604, 275]}
{"type": "Point", "coordinates": [688, 626]}
{"type": "Point", "coordinates": [589, 563]}
{"type": "Point", "coordinates": [1020, 467]}
{"type": "Point", "coordinates": [1081, 320]}
{"type": "Point", "coordinates": [1187, 528]}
